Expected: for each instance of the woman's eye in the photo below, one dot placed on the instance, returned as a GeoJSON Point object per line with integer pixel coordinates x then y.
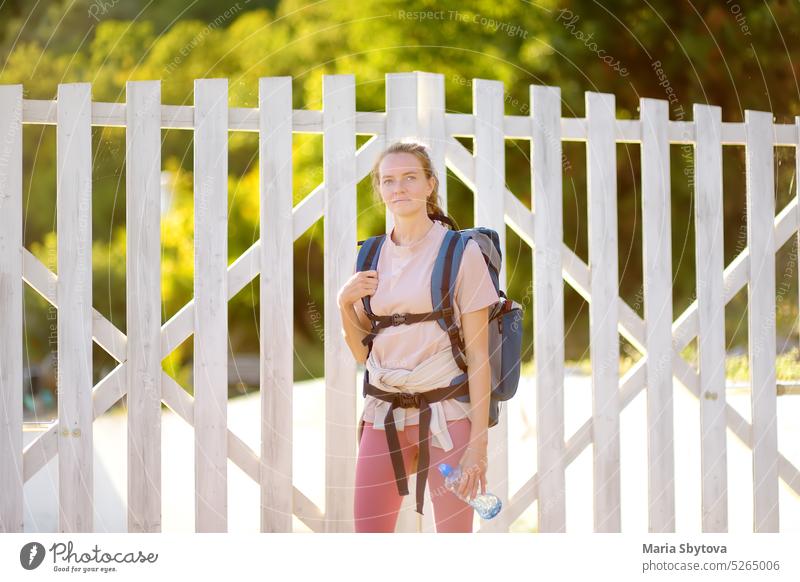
{"type": "Point", "coordinates": [412, 177]}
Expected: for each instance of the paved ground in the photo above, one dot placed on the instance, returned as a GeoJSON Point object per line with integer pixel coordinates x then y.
{"type": "Point", "coordinates": [178, 464]}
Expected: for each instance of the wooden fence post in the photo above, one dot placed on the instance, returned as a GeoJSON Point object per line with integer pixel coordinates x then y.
{"type": "Point", "coordinates": [11, 306]}
{"type": "Point", "coordinates": [74, 228]}
{"type": "Point", "coordinates": [276, 293]}
{"type": "Point", "coordinates": [548, 298]}
{"type": "Point", "coordinates": [656, 239]}
{"type": "Point", "coordinates": [603, 314]}
{"type": "Point", "coordinates": [709, 259]}
{"type": "Point", "coordinates": [759, 160]}
{"type": "Point", "coordinates": [143, 305]}
{"type": "Point", "coordinates": [210, 372]}
{"type": "Point", "coordinates": [339, 169]}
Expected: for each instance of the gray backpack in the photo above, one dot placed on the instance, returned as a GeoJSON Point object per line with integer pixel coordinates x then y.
{"type": "Point", "coordinates": [505, 316]}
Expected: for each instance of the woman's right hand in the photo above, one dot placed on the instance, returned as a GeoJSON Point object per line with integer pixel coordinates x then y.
{"type": "Point", "coordinates": [360, 284]}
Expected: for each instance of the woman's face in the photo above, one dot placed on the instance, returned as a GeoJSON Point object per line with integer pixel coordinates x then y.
{"type": "Point", "coordinates": [403, 186]}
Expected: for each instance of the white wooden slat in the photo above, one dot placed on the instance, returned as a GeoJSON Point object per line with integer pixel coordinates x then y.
{"type": "Point", "coordinates": [461, 163]}
{"type": "Point", "coordinates": [108, 391]}
{"type": "Point", "coordinates": [759, 161]}
{"type": "Point", "coordinates": [105, 394]}
{"type": "Point", "coordinates": [461, 125]}
{"type": "Point", "coordinates": [45, 282]}
{"type": "Point", "coordinates": [177, 328]}
{"type": "Point", "coordinates": [143, 288]}
{"type": "Point", "coordinates": [307, 121]}
{"type": "Point", "coordinates": [517, 126]}
{"type": "Point", "coordinates": [370, 123]}
{"type": "Point", "coordinates": [276, 302]}
{"type": "Point", "coordinates": [656, 238]}
{"type": "Point", "coordinates": [308, 211]}
{"type": "Point", "coordinates": [786, 223]}
{"type": "Point", "coordinates": [627, 130]}
{"type": "Point", "coordinates": [711, 317]}
{"type": "Point", "coordinates": [366, 156]}
{"type": "Point", "coordinates": [402, 122]}
{"type": "Point", "coordinates": [43, 112]}
{"type": "Point", "coordinates": [211, 303]}
{"type": "Point", "coordinates": [40, 278]}
{"type": "Point", "coordinates": [519, 218]}
{"type": "Point", "coordinates": [432, 132]}
{"type": "Point", "coordinates": [11, 305]}
{"type": "Point", "coordinates": [432, 128]}
{"type": "Point", "coordinates": [339, 173]}
{"type": "Point", "coordinates": [603, 316]}
{"type": "Point", "coordinates": [489, 211]}
{"type": "Point", "coordinates": [180, 326]}
{"type": "Point", "coordinates": [38, 453]}
{"type": "Point", "coordinates": [74, 228]}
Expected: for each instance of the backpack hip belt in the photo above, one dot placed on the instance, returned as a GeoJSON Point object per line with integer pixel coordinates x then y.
{"type": "Point", "coordinates": [421, 400]}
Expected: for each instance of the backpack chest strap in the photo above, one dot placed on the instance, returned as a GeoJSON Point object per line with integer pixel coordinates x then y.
{"type": "Point", "coordinates": [380, 322]}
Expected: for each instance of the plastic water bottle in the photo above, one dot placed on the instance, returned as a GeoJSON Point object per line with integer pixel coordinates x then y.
{"type": "Point", "coordinates": [487, 505]}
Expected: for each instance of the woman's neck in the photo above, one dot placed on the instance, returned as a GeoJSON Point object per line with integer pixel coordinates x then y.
{"type": "Point", "coordinates": [410, 229]}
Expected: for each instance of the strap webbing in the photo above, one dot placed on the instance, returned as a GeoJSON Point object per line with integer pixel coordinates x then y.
{"type": "Point", "coordinates": [421, 400]}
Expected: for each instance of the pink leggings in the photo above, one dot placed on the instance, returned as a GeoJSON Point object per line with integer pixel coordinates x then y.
{"type": "Point", "coordinates": [377, 501]}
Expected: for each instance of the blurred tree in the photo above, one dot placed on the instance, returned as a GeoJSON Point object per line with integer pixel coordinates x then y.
{"type": "Point", "coordinates": [733, 56]}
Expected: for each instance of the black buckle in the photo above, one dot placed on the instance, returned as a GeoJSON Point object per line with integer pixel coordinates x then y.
{"type": "Point", "coordinates": [408, 400]}
{"type": "Point", "coordinates": [398, 318]}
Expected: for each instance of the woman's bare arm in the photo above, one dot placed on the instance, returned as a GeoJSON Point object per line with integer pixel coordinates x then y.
{"type": "Point", "coordinates": [355, 323]}
{"type": "Point", "coordinates": [475, 328]}
{"type": "Point", "coordinates": [355, 327]}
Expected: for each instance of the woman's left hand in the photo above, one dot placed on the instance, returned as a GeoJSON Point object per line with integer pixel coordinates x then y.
{"type": "Point", "coordinates": [473, 465]}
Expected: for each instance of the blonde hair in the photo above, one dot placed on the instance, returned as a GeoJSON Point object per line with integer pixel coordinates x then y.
{"type": "Point", "coordinates": [420, 151]}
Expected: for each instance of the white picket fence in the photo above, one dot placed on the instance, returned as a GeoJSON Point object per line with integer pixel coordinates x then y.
{"type": "Point", "coordinates": [415, 107]}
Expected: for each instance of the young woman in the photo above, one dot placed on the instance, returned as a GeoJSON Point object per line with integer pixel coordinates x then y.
{"type": "Point", "coordinates": [415, 358]}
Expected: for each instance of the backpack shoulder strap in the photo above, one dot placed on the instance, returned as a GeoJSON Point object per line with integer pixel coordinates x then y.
{"type": "Point", "coordinates": [368, 261]}
{"type": "Point", "coordinates": [488, 242]}
{"type": "Point", "coordinates": [443, 281]}
{"type": "Point", "coordinates": [445, 270]}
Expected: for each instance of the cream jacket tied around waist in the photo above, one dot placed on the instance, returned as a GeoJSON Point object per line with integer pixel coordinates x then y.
{"type": "Point", "coordinates": [436, 371]}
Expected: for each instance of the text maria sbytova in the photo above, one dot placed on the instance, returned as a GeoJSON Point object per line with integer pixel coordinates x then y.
{"type": "Point", "coordinates": [683, 549]}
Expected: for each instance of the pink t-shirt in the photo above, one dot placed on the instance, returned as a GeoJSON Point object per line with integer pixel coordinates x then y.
{"type": "Point", "coordinates": [404, 286]}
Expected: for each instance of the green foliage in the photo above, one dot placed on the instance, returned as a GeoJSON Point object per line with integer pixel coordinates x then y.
{"type": "Point", "coordinates": [706, 55]}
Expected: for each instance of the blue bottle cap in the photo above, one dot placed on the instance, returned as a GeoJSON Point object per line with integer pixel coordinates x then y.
{"type": "Point", "coordinates": [445, 469]}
